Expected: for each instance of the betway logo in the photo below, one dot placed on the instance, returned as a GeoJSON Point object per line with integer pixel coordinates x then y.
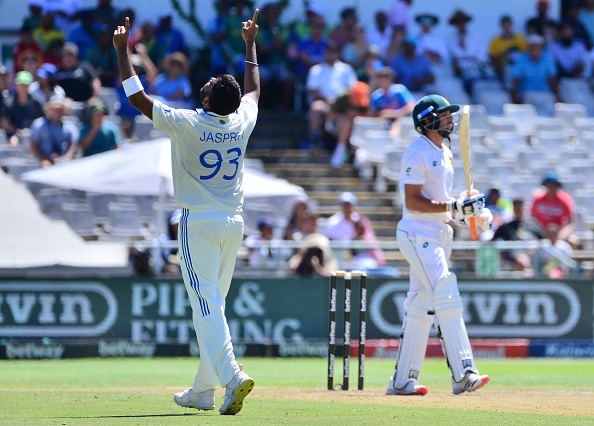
{"type": "Point", "coordinates": [50, 309]}
{"type": "Point", "coordinates": [497, 309]}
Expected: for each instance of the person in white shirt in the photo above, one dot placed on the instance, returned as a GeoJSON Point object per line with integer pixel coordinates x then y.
{"type": "Point", "coordinates": [325, 82]}
{"type": "Point", "coordinates": [425, 239]}
{"type": "Point", "coordinates": [208, 151]}
{"type": "Point", "coordinates": [381, 34]}
{"type": "Point", "coordinates": [430, 44]}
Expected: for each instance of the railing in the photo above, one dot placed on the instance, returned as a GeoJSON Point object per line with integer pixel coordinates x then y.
{"type": "Point", "coordinates": [539, 248]}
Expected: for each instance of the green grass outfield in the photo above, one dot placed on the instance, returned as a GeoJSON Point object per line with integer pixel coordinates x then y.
{"type": "Point", "coordinates": [132, 391]}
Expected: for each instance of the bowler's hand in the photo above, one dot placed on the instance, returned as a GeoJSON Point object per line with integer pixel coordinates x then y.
{"type": "Point", "coordinates": [120, 36]}
{"type": "Point", "coordinates": [249, 28]}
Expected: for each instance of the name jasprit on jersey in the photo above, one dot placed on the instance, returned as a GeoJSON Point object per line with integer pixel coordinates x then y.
{"type": "Point", "coordinates": [221, 137]}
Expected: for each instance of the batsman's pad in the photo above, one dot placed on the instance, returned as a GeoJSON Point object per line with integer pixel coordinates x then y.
{"type": "Point", "coordinates": [413, 340]}
{"type": "Point", "coordinates": [448, 310]}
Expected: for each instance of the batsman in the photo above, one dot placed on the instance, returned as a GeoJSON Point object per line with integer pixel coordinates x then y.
{"type": "Point", "coordinates": [425, 239]}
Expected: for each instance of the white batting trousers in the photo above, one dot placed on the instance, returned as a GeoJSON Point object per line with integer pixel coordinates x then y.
{"type": "Point", "coordinates": [208, 245]}
{"type": "Point", "coordinates": [426, 246]}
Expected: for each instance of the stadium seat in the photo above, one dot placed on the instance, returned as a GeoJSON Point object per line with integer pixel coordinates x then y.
{"type": "Point", "coordinates": [80, 219]}
{"type": "Point", "coordinates": [98, 203]}
{"type": "Point", "coordinates": [493, 100]}
{"type": "Point", "coordinates": [482, 85]}
{"type": "Point", "coordinates": [586, 139]}
{"type": "Point", "coordinates": [123, 220]}
{"type": "Point", "coordinates": [110, 97]}
{"type": "Point", "coordinates": [507, 144]}
{"type": "Point", "coordinates": [51, 200]}
{"type": "Point", "coordinates": [523, 115]}
{"type": "Point", "coordinates": [543, 102]}
{"type": "Point", "coordinates": [570, 112]}
{"type": "Point", "coordinates": [361, 124]}
{"type": "Point", "coordinates": [501, 124]}
{"type": "Point", "coordinates": [142, 127]}
{"type": "Point", "coordinates": [551, 142]}
{"type": "Point", "coordinates": [478, 121]}
{"type": "Point", "coordinates": [377, 144]}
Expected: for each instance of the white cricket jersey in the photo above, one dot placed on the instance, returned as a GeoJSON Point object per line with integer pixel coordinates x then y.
{"type": "Point", "coordinates": [207, 153]}
{"type": "Point", "coordinates": [424, 163]}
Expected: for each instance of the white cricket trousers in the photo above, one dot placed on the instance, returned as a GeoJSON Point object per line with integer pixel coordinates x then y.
{"type": "Point", "coordinates": [427, 247]}
{"type": "Point", "coordinates": [208, 245]}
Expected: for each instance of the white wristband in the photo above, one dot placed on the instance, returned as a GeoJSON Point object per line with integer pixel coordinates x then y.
{"type": "Point", "coordinates": [132, 85]}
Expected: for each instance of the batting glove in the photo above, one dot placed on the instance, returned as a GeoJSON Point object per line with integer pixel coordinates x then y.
{"type": "Point", "coordinates": [486, 219]}
{"type": "Point", "coordinates": [465, 207]}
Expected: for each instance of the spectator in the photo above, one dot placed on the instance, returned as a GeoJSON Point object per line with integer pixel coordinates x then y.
{"type": "Point", "coordinates": [411, 69]}
{"type": "Point", "coordinates": [314, 257]}
{"type": "Point", "coordinates": [517, 230]}
{"type": "Point", "coordinates": [468, 51]}
{"type": "Point", "coordinates": [367, 258]}
{"type": "Point", "coordinates": [311, 50]}
{"type": "Point", "coordinates": [534, 70]}
{"type": "Point", "coordinates": [301, 30]}
{"type": "Point", "coordinates": [396, 43]}
{"type": "Point", "coordinates": [500, 207]}
{"type": "Point", "coordinates": [169, 36]}
{"type": "Point", "coordinates": [29, 60]}
{"type": "Point", "coordinates": [554, 212]}
{"type": "Point", "coordinates": [390, 100]}
{"type": "Point", "coordinates": [276, 80]}
{"type": "Point", "coordinates": [154, 48]}
{"type": "Point", "coordinates": [45, 88]}
{"type": "Point", "coordinates": [25, 45]}
{"type": "Point", "coordinates": [355, 52]}
{"type": "Point", "coordinates": [170, 255]}
{"type": "Point", "coordinates": [399, 14]}
{"type": "Point", "coordinates": [295, 229]}
{"type": "Point", "coordinates": [219, 60]}
{"type": "Point", "coordinates": [33, 20]}
{"type": "Point", "coordinates": [53, 140]}
{"type": "Point", "coordinates": [429, 44]}
{"type": "Point", "coordinates": [541, 23]}
{"type": "Point", "coordinates": [239, 12]}
{"type": "Point", "coordinates": [570, 53]}
{"type": "Point", "coordinates": [103, 56]}
{"type": "Point", "coordinates": [372, 62]}
{"type": "Point", "coordinates": [65, 13]}
{"type": "Point", "coordinates": [97, 135]}
{"type": "Point", "coordinates": [53, 54]}
{"type": "Point", "coordinates": [105, 13]}
{"type": "Point", "coordinates": [147, 72]}
{"type": "Point", "coordinates": [325, 82]}
{"type": "Point", "coordinates": [22, 111]}
{"type": "Point", "coordinates": [586, 17]}
{"type": "Point", "coordinates": [135, 29]}
{"type": "Point", "coordinates": [261, 257]}
{"type": "Point", "coordinates": [5, 95]}
{"type": "Point", "coordinates": [78, 79]}
{"type": "Point", "coordinates": [381, 34]}
{"type": "Point", "coordinates": [571, 17]}
{"type": "Point", "coordinates": [505, 47]}
{"type": "Point", "coordinates": [83, 34]}
{"type": "Point", "coordinates": [344, 33]}
{"type": "Point", "coordinates": [173, 86]}
{"type": "Point", "coordinates": [352, 102]}
{"type": "Point", "coordinates": [47, 31]}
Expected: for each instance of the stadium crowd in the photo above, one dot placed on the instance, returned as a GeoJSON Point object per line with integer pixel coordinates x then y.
{"type": "Point", "coordinates": [63, 98]}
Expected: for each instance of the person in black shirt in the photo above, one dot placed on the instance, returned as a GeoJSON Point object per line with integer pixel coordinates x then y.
{"type": "Point", "coordinates": [78, 79]}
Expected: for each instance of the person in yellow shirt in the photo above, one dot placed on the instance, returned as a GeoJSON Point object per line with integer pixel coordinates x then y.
{"type": "Point", "coordinates": [47, 31]}
{"type": "Point", "coordinates": [506, 46]}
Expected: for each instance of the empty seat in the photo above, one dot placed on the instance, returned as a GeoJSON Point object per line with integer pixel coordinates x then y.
{"type": "Point", "coordinates": [493, 100]}
{"type": "Point", "coordinates": [482, 85]}
{"type": "Point", "coordinates": [570, 112]}
{"type": "Point", "coordinates": [544, 102]}
{"type": "Point", "coordinates": [586, 139]}
{"type": "Point", "coordinates": [501, 124]}
{"type": "Point", "coordinates": [80, 219]}
{"type": "Point", "coordinates": [51, 200]}
{"type": "Point", "coordinates": [123, 220]}
{"type": "Point", "coordinates": [377, 144]}
{"type": "Point", "coordinates": [478, 116]}
{"type": "Point", "coordinates": [507, 144]}
{"type": "Point", "coordinates": [361, 124]}
{"type": "Point", "coordinates": [98, 204]}
{"type": "Point", "coordinates": [111, 99]}
{"type": "Point", "coordinates": [551, 142]}
{"type": "Point", "coordinates": [142, 127]}
{"type": "Point", "coordinates": [523, 115]}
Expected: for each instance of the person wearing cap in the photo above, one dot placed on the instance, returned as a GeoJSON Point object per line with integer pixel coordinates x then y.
{"type": "Point", "coordinates": [78, 78]}
{"type": "Point", "coordinates": [505, 47]}
{"type": "Point", "coordinates": [429, 44]}
{"type": "Point", "coordinates": [381, 34]}
{"type": "Point", "coordinates": [97, 135]}
{"type": "Point", "coordinates": [326, 81]}
{"type": "Point", "coordinates": [470, 60]}
{"type": "Point", "coordinates": [553, 210]}
{"type": "Point", "coordinates": [45, 87]}
{"type": "Point", "coordinates": [22, 111]}
{"type": "Point", "coordinates": [52, 139]}
{"type": "Point", "coordinates": [173, 86]}
{"type": "Point", "coordinates": [102, 57]}
{"type": "Point", "coordinates": [425, 238]}
{"type": "Point", "coordinates": [262, 257]}
{"type": "Point", "coordinates": [314, 256]}
{"type": "Point", "coordinates": [411, 69]}
{"type": "Point", "coordinates": [47, 30]}
{"type": "Point", "coordinates": [534, 70]}
{"type": "Point", "coordinates": [168, 35]}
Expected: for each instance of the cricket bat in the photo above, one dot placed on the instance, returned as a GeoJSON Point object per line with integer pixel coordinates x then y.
{"type": "Point", "coordinates": [465, 151]}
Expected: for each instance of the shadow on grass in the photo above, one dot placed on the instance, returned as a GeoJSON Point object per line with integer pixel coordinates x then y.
{"type": "Point", "coordinates": [139, 416]}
